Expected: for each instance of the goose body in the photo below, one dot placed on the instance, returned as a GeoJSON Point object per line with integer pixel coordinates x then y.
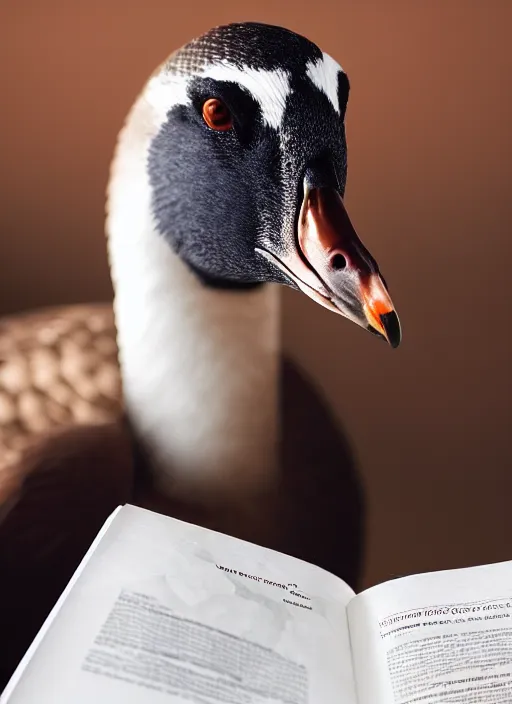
{"type": "Point", "coordinates": [227, 182]}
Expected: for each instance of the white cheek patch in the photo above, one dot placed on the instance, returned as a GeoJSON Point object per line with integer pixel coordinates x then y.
{"type": "Point", "coordinates": [269, 88]}
{"type": "Point", "coordinates": [324, 75]}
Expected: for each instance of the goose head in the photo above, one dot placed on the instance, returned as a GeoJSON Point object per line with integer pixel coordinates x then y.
{"type": "Point", "coordinates": [247, 166]}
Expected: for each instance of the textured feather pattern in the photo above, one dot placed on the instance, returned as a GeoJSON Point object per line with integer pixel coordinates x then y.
{"type": "Point", "coordinates": [231, 42]}
{"type": "Point", "coordinates": [58, 368]}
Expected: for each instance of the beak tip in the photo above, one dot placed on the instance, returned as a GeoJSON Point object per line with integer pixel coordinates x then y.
{"type": "Point", "coordinates": [391, 325]}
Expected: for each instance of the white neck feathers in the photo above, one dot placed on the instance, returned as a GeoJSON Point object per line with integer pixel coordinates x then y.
{"type": "Point", "coordinates": [200, 367]}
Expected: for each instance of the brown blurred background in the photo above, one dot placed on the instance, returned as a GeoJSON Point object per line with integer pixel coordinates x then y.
{"type": "Point", "coordinates": [429, 124]}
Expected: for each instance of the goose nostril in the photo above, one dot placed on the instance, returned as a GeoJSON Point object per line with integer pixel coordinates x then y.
{"type": "Point", "coordinates": [338, 262]}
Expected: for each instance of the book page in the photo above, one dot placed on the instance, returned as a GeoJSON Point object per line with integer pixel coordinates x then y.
{"type": "Point", "coordinates": [440, 637]}
{"type": "Point", "coordinates": [165, 611]}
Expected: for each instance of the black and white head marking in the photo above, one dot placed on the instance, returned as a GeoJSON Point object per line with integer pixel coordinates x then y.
{"type": "Point", "coordinates": [218, 196]}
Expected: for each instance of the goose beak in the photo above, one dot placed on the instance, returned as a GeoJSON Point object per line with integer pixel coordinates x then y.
{"type": "Point", "coordinates": [330, 264]}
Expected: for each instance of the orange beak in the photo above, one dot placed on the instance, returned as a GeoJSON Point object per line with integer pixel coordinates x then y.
{"type": "Point", "coordinates": [331, 265]}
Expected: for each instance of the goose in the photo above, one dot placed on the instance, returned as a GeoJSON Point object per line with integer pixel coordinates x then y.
{"type": "Point", "coordinates": [227, 183]}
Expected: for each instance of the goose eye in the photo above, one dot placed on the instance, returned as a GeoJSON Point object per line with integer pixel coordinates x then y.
{"type": "Point", "coordinates": [217, 115]}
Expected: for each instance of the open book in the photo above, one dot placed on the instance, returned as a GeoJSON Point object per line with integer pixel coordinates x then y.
{"type": "Point", "coordinates": [163, 611]}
